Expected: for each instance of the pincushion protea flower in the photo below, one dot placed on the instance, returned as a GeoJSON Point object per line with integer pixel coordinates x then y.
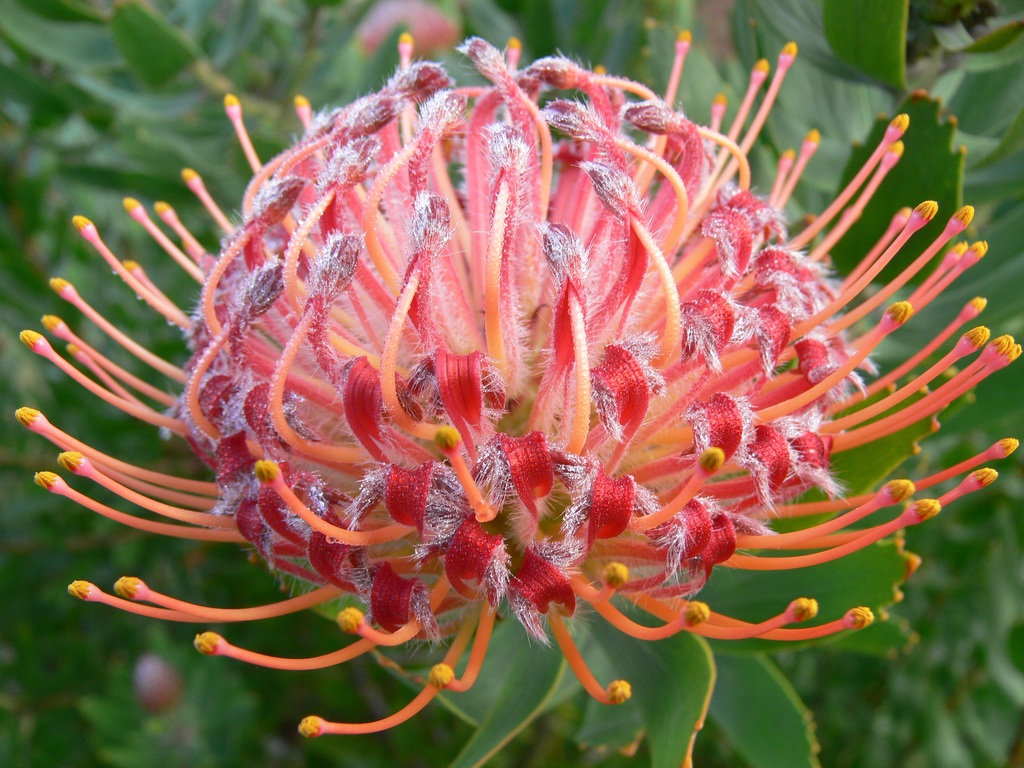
{"type": "Point", "coordinates": [532, 348]}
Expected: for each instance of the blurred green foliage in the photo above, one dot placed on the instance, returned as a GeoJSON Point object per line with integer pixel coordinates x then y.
{"type": "Point", "coordinates": [102, 99]}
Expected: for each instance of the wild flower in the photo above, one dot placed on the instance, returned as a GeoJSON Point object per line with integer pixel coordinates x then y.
{"type": "Point", "coordinates": [533, 348]}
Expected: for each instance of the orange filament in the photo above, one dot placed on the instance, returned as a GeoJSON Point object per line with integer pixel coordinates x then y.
{"type": "Point", "coordinates": [371, 216]}
{"type": "Point", "coordinates": [316, 726]}
{"type": "Point", "coordinates": [866, 538]}
{"type": "Point", "coordinates": [83, 358]}
{"type": "Point", "coordinates": [907, 390]}
{"type": "Point", "coordinates": [233, 108]}
{"type": "Point", "coordinates": [680, 500]}
{"type": "Point", "coordinates": [335, 454]}
{"type": "Point", "coordinates": [170, 217]}
{"type": "Point", "coordinates": [450, 443]}
{"type": "Point", "coordinates": [195, 184]}
{"type": "Point", "coordinates": [891, 494]}
{"type": "Point", "coordinates": [42, 348]}
{"type": "Point", "coordinates": [581, 409]}
{"type": "Point", "coordinates": [220, 647]}
{"type": "Point", "coordinates": [675, 232]}
{"type": "Point", "coordinates": [492, 285]}
{"type": "Point", "coordinates": [914, 223]}
{"type": "Point", "coordinates": [389, 360]}
{"type": "Point", "coordinates": [297, 242]}
{"type": "Point", "coordinates": [854, 212]}
{"type": "Point", "coordinates": [61, 488]}
{"type": "Point", "coordinates": [90, 593]}
{"type": "Point", "coordinates": [477, 653]}
{"type": "Point", "coordinates": [393, 532]}
{"type": "Point", "coordinates": [208, 297]}
{"type": "Point", "coordinates": [316, 597]}
{"type": "Point", "coordinates": [160, 303]}
{"type": "Point", "coordinates": [808, 396]}
{"type": "Point", "coordinates": [67, 291]}
{"type": "Point", "coordinates": [673, 331]}
{"type": "Point", "coordinates": [683, 41]}
{"type": "Point", "coordinates": [61, 330]}
{"type": "Point", "coordinates": [783, 167]}
{"type": "Point", "coordinates": [807, 150]}
{"type": "Point", "coordinates": [39, 424]}
{"type": "Point", "coordinates": [195, 383]}
{"type": "Point", "coordinates": [81, 466]}
{"type": "Point", "coordinates": [576, 662]}
{"type": "Point", "coordinates": [138, 212]}
{"type": "Point", "coordinates": [894, 285]}
{"type": "Point", "coordinates": [896, 129]}
{"type": "Point", "coordinates": [784, 63]}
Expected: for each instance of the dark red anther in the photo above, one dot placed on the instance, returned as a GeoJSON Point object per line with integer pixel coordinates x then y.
{"type": "Point", "coordinates": [257, 415]}
{"type": "Point", "coordinates": [708, 323]}
{"type": "Point", "coordinates": [774, 261]}
{"type": "Point", "coordinates": [530, 465]}
{"type": "Point", "coordinates": [542, 583]}
{"type": "Point", "coordinates": [611, 505]}
{"type": "Point", "coordinates": [815, 359]}
{"type": "Point", "coordinates": [460, 384]}
{"type": "Point", "coordinates": [757, 210]}
{"type": "Point", "coordinates": [233, 457]}
{"type": "Point", "coordinates": [471, 552]}
{"type": "Point", "coordinates": [254, 250]}
{"type": "Point", "coordinates": [813, 450]}
{"type": "Point", "coordinates": [687, 534]}
{"type": "Point", "coordinates": [723, 425]}
{"type": "Point", "coordinates": [275, 513]}
{"type": "Point", "coordinates": [391, 598]}
{"type": "Point", "coordinates": [772, 333]}
{"type": "Point", "coordinates": [250, 523]}
{"type": "Point", "coordinates": [214, 393]}
{"type": "Point", "coordinates": [285, 194]}
{"type": "Point", "coordinates": [329, 557]}
{"type": "Point", "coordinates": [621, 376]}
{"type": "Point", "coordinates": [696, 522]}
{"type": "Point", "coordinates": [734, 238]}
{"type": "Point", "coordinates": [721, 545]}
{"type": "Point", "coordinates": [630, 278]}
{"type": "Point", "coordinates": [406, 491]}
{"type": "Point", "coordinates": [771, 451]}
{"type": "Point", "coordinates": [363, 403]}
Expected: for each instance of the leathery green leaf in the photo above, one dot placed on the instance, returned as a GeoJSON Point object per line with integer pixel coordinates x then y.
{"type": "Point", "coordinates": [871, 36]}
{"type": "Point", "coordinates": [749, 688]}
{"type": "Point", "coordinates": [519, 680]}
{"type": "Point", "coordinates": [671, 682]}
{"type": "Point", "coordinates": [154, 49]}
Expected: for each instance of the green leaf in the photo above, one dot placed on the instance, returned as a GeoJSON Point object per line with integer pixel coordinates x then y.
{"type": "Point", "coordinates": [1015, 644]}
{"type": "Point", "coordinates": [79, 46]}
{"type": "Point", "coordinates": [672, 681]}
{"type": "Point", "coordinates": [929, 170]}
{"type": "Point", "coordinates": [868, 577]}
{"type": "Point", "coordinates": [749, 687]}
{"type": "Point", "coordinates": [997, 39]}
{"type": "Point", "coordinates": [64, 10]}
{"type": "Point", "coordinates": [1011, 141]}
{"type": "Point", "coordinates": [606, 729]}
{"type": "Point", "coordinates": [870, 35]}
{"type": "Point", "coordinates": [154, 49]}
{"type": "Point", "coordinates": [519, 680]}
